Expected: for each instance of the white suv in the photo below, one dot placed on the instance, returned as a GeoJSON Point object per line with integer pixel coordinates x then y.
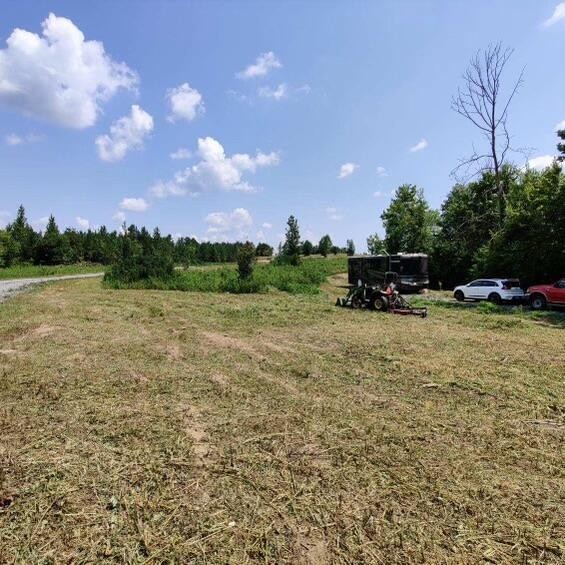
{"type": "Point", "coordinates": [494, 290]}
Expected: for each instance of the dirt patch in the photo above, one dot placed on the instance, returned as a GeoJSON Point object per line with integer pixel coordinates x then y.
{"type": "Point", "coordinates": [310, 552]}
{"type": "Point", "coordinates": [197, 433]}
{"type": "Point", "coordinates": [42, 331]}
{"type": "Point", "coordinates": [173, 353]}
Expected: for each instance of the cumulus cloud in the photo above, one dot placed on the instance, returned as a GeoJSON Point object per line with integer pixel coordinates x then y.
{"type": "Point", "coordinates": [16, 139]}
{"type": "Point", "coordinates": [266, 225]}
{"type": "Point", "coordinates": [560, 126]}
{"type": "Point", "coordinates": [263, 64]}
{"type": "Point", "coordinates": [59, 76]}
{"type": "Point", "coordinates": [378, 194]}
{"type": "Point", "coordinates": [82, 223]}
{"type": "Point", "coordinates": [126, 134]}
{"type": "Point", "coordinates": [333, 214]}
{"type": "Point", "coordinates": [134, 204]}
{"type": "Point", "coordinates": [422, 144]}
{"type": "Point", "coordinates": [181, 153]}
{"type": "Point", "coordinates": [557, 16]}
{"type": "Point", "coordinates": [186, 103]}
{"type": "Point", "coordinates": [119, 217]}
{"type": "Point", "coordinates": [215, 171]}
{"type": "Point", "coordinates": [235, 224]}
{"type": "Point", "coordinates": [540, 163]}
{"type": "Point", "coordinates": [276, 93]}
{"type": "Point", "coordinates": [381, 172]}
{"type": "Point", "coordinates": [347, 169]}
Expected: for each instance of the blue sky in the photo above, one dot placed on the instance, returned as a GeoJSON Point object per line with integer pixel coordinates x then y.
{"type": "Point", "coordinates": [305, 108]}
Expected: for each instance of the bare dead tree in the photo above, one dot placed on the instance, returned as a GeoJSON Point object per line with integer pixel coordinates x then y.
{"type": "Point", "coordinates": [484, 102]}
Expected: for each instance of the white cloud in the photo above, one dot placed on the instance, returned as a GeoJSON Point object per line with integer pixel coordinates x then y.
{"type": "Point", "coordinates": [277, 93]}
{"type": "Point", "coordinates": [260, 235]}
{"type": "Point", "coordinates": [181, 153]}
{"type": "Point", "coordinates": [215, 171]}
{"type": "Point", "coordinates": [540, 163]}
{"type": "Point", "coordinates": [4, 218]}
{"type": "Point", "coordinates": [304, 89]}
{"type": "Point", "coordinates": [16, 139]}
{"type": "Point", "coordinates": [82, 223]}
{"type": "Point", "coordinates": [560, 126]}
{"type": "Point", "coordinates": [381, 172]}
{"type": "Point", "coordinates": [59, 77]}
{"type": "Point", "coordinates": [186, 103]}
{"type": "Point", "coordinates": [333, 214]}
{"type": "Point", "coordinates": [267, 225]}
{"type": "Point", "coordinates": [347, 169]}
{"type": "Point", "coordinates": [126, 134]}
{"type": "Point", "coordinates": [134, 204]}
{"type": "Point", "coordinates": [119, 217]}
{"type": "Point", "coordinates": [378, 194]}
{"type": "Point", "coordinates": [235, 224]}
{"type": "Point", "coordinates": [41, 223]}
{"type": "Point", "coordinates": [263, 64]}
{"type": "Point", "coordinates": [422, 144]}
{"type": "Point", "coordinates": [557, 16]}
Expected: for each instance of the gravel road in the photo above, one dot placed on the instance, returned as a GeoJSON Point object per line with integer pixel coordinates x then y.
{"type": "Point", "coordinates": [11, 287]}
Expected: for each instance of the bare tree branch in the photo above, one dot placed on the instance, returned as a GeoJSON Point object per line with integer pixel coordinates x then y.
{"type": "Point", "coordinates": [481, 101]}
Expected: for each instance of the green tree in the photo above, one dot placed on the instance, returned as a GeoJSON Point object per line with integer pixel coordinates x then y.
{"type": "Point", "coordinates": [50, 248]}
{"type": "Point", "coordinates": [246, 260]}
{"type": "Point", "coordinates": [264, 250]}
{"type": "Point", "coordinates": [531, 243]}
{"type": "Point", "coordinates": [8, 249]}
{"type": "Point", "coordinates": [375, 245]}
{"type": "Point", "coordinates": [307, 248]}
{"type": "Point", "coordinates": [350, 247]}
{"type": "Point", "coordinates": [325, 245]}
{"type": "Point", "coordinates": [291, 246]}
{"type": "Point", "coordinates": [469, 217]}
{"type": "Point", "coordinates": [409, 222]}
{"type": "Point", "coordinates": [561, 145]}
{"type": "Point", "coordinates": [24, 237]}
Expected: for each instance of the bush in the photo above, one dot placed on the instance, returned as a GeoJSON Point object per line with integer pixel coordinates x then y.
{"type": "Point", "coordinates": [246, 260]}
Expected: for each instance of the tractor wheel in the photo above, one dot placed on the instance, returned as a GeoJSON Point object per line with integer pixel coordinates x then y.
{"type": "Point", "coordinates": [459, 296]}
{"type": "Point", "coordinates": [494, 297]}
{"type": "Point", "coordinates": [538, 302]}
{"type": "Point", "coordinates": [356, 302]}
{"type": "Point", "coordinates": [379, 303]}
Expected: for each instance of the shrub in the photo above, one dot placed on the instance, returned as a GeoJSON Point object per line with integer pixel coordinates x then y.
{"type": "Point", "coordinates": [246, 260]}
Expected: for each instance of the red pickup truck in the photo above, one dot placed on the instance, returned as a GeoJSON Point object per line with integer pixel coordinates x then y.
{"type": "Point", "coordinates": [543, 295]}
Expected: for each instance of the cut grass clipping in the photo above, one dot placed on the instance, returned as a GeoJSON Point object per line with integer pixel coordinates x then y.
{"type": "Point", "coordinates": [165, 427]}
{"type": "Point", "coordinates": [303, 279]}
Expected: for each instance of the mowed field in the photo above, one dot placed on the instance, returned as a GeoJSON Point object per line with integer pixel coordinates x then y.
{"type": "Point", "coordinates": [155, 427]}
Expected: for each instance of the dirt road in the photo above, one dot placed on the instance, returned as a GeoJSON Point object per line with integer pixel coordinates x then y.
{"type": "Point", "coordinates": [11, 287]}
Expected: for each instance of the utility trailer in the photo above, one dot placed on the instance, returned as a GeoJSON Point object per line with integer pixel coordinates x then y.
{"type": "Point", "coordinates": [411, 268]}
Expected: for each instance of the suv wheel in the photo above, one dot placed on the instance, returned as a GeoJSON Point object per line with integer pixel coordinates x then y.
{"type": "Point", "coordinates": [459, 296]}
{"type": "Point", "coordinates": [494, 297]}
{"type": "Point", "coordinates": [538, 302]}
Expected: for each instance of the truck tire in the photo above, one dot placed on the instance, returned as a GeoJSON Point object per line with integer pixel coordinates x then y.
{"type": "Point", "coordinates": [538, 302]}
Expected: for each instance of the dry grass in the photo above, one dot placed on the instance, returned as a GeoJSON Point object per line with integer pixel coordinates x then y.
{"type": "Point", "coordinates": [151, 427]}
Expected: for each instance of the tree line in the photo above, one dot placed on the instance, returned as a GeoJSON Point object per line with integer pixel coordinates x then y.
{"type": "Point", "coordinates": [21, 243]}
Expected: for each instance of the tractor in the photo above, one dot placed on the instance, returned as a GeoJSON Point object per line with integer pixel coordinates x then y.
{"type": "Point", "coordinates": [381, 297]}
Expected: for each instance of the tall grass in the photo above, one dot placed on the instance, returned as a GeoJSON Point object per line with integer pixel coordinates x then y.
{"type": "Point", "coordinates": [303, 279]}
